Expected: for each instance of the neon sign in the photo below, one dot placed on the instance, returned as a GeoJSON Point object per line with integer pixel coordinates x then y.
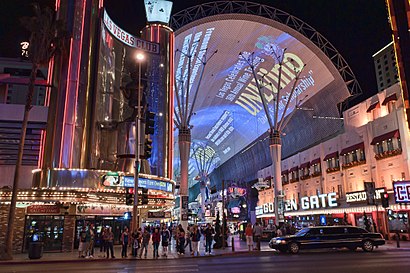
{"type": "Point", "coordinates": [128, 38]}
{"type": "Point", "coordinates": [401, 191]}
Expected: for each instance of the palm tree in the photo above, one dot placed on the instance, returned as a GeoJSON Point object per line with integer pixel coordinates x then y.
{"type": "Point", "coordinates": [46, 38]}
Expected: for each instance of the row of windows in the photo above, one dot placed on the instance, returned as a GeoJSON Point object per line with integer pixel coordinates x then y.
{"type": "Point", "coordinates": [357, 156]}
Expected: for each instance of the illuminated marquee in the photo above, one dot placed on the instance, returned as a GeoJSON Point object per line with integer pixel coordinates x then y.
{"type": "Point", "coordinates": [151, 184]}
{"type": "Point", "coordinates": [401, 191]}
{"type": "Point", "coordinates": [307, 202]}
{"type": "Point", "coordinates": [128, 38]}
{"type": "Point", "coordinates": [360, 196]}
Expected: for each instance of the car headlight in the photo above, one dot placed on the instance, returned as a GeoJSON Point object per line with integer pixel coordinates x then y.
{"type": "Point", "coordinates": [279, 242]}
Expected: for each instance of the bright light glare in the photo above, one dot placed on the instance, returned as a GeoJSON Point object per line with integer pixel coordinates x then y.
{"type": "Point", "coordinates": [140, 56]}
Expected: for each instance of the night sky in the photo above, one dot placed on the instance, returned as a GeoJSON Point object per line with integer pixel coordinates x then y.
{"type": "Point", "coordinates": [356, 28]}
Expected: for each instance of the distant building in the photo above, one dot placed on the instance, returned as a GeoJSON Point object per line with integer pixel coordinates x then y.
{"type": "Point", "coordinates": [385, 67]}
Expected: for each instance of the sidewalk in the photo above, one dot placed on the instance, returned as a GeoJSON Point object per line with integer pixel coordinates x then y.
{"type": "Point", "coordinates": [239, 245]}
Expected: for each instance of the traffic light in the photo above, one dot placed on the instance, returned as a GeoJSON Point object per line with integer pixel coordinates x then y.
{"type": "Point", "coordinates": [385, 200]}
{"type": "Point", "coordinates": [149, 123]}
{"type": "Point", "coordinates": [144, 196]}
{"type": "Point", "coordinates": [147, 148]}
{"type": "Point", "coordinates": [129, 196]}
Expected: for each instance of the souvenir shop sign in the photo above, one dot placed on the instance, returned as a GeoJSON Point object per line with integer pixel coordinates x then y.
{"type": "Point", "coordinates": [361, 196]}
{"type": "Point", "coordinates": [43, 209]}
{"type": "Point", "coordinates": [401, 191]}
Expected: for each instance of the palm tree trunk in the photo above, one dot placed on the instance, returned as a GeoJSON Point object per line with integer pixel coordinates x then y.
{"type": "Point", "coordinates": [12, 211]}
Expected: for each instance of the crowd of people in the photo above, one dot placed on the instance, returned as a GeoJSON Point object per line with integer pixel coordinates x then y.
{"type": "Point", "coordinates": [136, 243]}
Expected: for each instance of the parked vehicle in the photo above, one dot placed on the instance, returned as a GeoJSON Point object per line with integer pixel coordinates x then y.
{"type": "Point", "coordinates": [328, 237]}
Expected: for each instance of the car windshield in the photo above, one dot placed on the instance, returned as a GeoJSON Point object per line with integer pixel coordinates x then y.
{"type": "Point", "coordinates": [302, 232]}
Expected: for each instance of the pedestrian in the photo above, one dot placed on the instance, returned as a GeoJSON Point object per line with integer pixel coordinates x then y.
{"type": "Point", "coordinates": [124, 243]}
{"type": "Point", "coordinates": [156, 239]}
{"type": "Point", "coordinates": [181, 240]}
{"type": "Point", "coordinates": [208, 234]}
{"type": "Point", "coordinates": [91, 236]}
{"type": "Point", "coordinates": [136, 240]}
{"type": "Point", "coordinates": [146, 236]}
{"type": "Point", "coordinates": [195, 238]}
{"type": "Point", "coordinates": [82, 243]}
{"type": "Point", "coordinates": [279, 232]}
{"type": "Point", "coordinates": [109, 238]}
{"type": "Point", "coordinates": [249, 235]}
{"type": "Point", "coordinates": [103, 244]}
{"type": "Point", "coordinates": [165, 237]}
{"type": "Point", "coordinates": [188, 239]}
{"type": "Point", "coordinates": [257, 232]}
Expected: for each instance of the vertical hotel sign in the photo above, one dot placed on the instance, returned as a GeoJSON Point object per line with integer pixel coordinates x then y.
{"type": "Point", "coordinates": [128, 38]}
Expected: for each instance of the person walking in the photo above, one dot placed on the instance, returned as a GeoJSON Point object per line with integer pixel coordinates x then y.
{"type": "Point", "coordinates": [257, 232]}
{"type": "Point", "coordinates": [188, 239]}
{"type": "Point", "coordinates": [249, 235]}
{"type": "Point", "coordinates": [124, 243]}
{"type": "Point", "coordinates": [209, 236]}
{"type": "Point", "coordinates": [165, 237]}
{"type": "Point", "coordinates": [109, 238]}
{"type": "Point", "coordinates": [156, 239]}
{"type": "Point", "coordinates": [195, 238]}
{"type": "Point", "coordinates": [146, 236]}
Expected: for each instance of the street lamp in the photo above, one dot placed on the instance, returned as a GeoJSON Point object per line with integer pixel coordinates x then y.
{"type": "Point", "coordinates": [135, 220]}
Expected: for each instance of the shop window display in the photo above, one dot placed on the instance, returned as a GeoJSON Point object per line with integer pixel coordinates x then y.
{"type": "Point", "coordinates": [47, 228]}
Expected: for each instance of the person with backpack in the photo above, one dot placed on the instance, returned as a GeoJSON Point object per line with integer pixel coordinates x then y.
{"type": "Point", "coordinates": [165, 237]}
{"type": "Point", "coordinates": [136, 241]}
{"type": "Point", "coordinates": [195, 238]}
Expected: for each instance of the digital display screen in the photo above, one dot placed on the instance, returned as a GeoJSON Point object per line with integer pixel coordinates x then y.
{"type": "Point", "coordinates": [229, 114]}
{"type": "Point", "coordinates": [401, 191]}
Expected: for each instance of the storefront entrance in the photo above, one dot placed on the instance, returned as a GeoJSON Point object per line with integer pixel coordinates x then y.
{"type": "Point", "coordinates": [49, 228]}
{"type": "Point", "coordinates": [117, 223]}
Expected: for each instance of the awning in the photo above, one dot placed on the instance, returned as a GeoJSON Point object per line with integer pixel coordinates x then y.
{"type": "Point", "coordinates": [305, 165]}
{"type": "Point", "coordinates": [285, 172]}
{"type": "Point", "coordinates": [332, 155]}
{"type": "Point", "coordinates": [294, 169]}
{"type": "Point", "coordinates": [386, 136]}
{"type": "Point", "coordinates": [315, 161]}
{"type": "Point", "coordinates": [373, 106]}
{"type": "Point", "coordinates": [352, 148]}
{"type": "Point", "coordinates": [392, 97]}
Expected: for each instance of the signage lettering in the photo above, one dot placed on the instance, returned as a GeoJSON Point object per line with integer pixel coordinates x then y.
{"type": "Point", "coordinates": [402, 191]}
{"type": "Point", "coordinates": [127, 38]}
{"type": "Point", "coordinates": [360, 196]}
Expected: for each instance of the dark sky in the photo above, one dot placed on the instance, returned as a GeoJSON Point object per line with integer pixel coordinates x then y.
{"type": "Point", "coordinates": [356, 28]}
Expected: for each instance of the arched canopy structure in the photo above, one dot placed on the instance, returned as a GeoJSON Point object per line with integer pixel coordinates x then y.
{"type": "Point", "coordinates": [228, 111]}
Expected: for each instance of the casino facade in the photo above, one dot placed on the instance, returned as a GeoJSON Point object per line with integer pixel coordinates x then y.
{"type": "Point", "coordinates": [84, 135]}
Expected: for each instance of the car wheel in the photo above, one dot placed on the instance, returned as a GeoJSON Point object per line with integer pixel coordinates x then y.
{"type": "Point", "coordinates": [367, 246]}
{"type": "Point", "coordinates": [294, 248]}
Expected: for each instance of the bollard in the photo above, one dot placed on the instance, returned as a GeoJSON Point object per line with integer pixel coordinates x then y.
{"type": "Point", "coordinates": [233, 246]}
{"type": "Point", "coordinates": [398, 240]}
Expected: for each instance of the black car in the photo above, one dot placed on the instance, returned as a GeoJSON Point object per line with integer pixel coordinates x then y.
{"type": "Point", "coordinates": [328, 237]}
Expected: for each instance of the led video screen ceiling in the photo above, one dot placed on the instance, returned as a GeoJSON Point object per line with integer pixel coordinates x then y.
{"type": "Point", "coordinates": [229, 114]}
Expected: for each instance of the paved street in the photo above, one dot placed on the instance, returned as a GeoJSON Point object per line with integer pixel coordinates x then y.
{"type": "Point", "coordinates": [382, 261]}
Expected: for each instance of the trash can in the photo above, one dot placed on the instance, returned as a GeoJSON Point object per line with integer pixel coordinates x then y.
{"type": "Point", "coordinates": [35, 247]}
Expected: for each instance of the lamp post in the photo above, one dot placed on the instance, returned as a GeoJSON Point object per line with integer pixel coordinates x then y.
{"type": "Point", "coordinates": [135, 219]}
